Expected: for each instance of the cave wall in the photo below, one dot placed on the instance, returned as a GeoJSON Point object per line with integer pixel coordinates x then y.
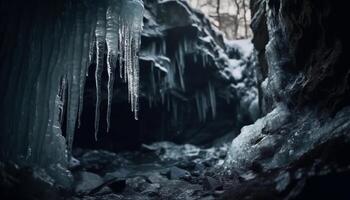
{"type": "Point", "coordinates": [304, 89]}
{"type": "Point", "coordinates": [302, 49]}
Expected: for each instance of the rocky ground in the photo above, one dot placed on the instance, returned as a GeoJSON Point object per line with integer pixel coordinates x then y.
{"type": "Point", "coordinates": [158, 171]}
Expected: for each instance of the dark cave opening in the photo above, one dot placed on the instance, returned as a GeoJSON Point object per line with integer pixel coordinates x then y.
{"type": "Point", "coordinates": [156, 122]}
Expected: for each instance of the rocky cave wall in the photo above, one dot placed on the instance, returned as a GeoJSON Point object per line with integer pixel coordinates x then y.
{"type": "Point", "coordinates": [308, 44]}
{"type": "Point", "coordinates": [303, 76]}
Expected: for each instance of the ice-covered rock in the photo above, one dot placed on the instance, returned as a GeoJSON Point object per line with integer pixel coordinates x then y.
{"type": "Point", "coordinates": [254, 142]}
{"type": "Point", "coordinates": [304, 97]}
{"type": "Point", "coordinates": [44, 63]}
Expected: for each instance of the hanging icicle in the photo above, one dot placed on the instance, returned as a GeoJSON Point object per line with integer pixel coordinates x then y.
{"type": "Point", "coordinates": [130, 31]}
{"type": "Point", "coordinates": [44, 69]}
{"type": "Point", "coordinates": [212, 99]}
{"type": "Point", "coordinates": [118, 26]}
{"type": "Point", "coordinates": [112, 32]}
{"type": "Point", "coordinates": [204, 100]}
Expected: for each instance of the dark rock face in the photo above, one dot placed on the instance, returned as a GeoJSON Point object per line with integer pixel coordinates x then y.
{"type": "Point", "coordinates": [304, 93]}
{"type": "Point", "coordinates": [306, 49]}
{"type": "Point", "coordinates": [28, 183]}
{"type": "Point", "coordinates": [193, 83]}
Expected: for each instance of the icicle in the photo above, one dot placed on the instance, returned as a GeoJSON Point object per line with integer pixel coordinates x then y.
{"type": "Point", "coordinates": [62, 94]}
{"type": "Point", "coordinates": [185, 47]}
{"type": "Point", "coordinates": [121, 43]}
{"type": "Point", "coordinates": [212, 99]}
{"type": "Point", "coordinates": [163, 47]}
{"type": "Point", "coordinates": [198, 105]}
{"type": "Point", "coordinates": [153, 80]}
{"type": "Point", "coordinates": [171, 75]}
{"type": "Point", "coordinates": [92, 45]}
{"type": "Point", "coordinates": [132, 19]}
{"type": "Point", "coordinates": [46, 63]}
{"type": "Point", "coordinates": [153, 48]}
{"type": "Point", "coordinates": [112, 49]}
{"type": "Point", "coordinates": [179, 57]}
{"type": "Point", "coordinates": [100, 34]}
{"type": "Point", "coordinates": [204, 100]}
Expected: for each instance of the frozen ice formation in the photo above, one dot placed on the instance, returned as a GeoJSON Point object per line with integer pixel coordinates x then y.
{"type": "Point", "coordinates": [190, 68]}
{"type": "Point", "coordinates": [246, 146]}
{"type": "Point", "coordinates": [45, 56]}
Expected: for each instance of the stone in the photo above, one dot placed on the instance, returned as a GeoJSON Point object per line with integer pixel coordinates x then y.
{"type": "Point", "coordinates": [117, 185]}
{"type": "Point", "coordinates": [177, 173]}
{"type": "Point", "coordinates": [212, 184]}
{"type": "Point", "coordinates": [85, 182]}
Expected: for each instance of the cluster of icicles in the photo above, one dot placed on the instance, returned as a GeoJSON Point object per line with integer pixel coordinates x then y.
{"type": "Point", "coordinates": [118, 28]}
{"type": "Point", "coordinates": [47, 73]}
{"type": "Point", "coordinates": [204, 98]}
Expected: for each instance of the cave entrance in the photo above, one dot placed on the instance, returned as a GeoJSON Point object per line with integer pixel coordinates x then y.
{"type": "Point", "coordinates": [161, 56]}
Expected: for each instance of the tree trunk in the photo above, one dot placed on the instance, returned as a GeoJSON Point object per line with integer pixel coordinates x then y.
{"type": "Point", "coordinates": [218, 5]}
{"type": "Point", "coordinates": [236, 20]}
{"type": "Point", "coordinates": [245, 19]}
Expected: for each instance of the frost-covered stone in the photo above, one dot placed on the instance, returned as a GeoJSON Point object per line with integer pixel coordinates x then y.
{"type": "Point", "coordinates": [254, 141]}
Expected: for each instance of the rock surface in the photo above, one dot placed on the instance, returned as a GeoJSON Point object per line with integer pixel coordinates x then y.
{"type": "Point", "coordinates": [304, 93]}
{"type": "Point", "coordinates": [170, 172]}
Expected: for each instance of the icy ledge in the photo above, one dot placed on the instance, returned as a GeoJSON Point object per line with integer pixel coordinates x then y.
{"type": "Point", "coordinates": [283, 137]}
{"type": "Point", "coordinates": [46, 68]}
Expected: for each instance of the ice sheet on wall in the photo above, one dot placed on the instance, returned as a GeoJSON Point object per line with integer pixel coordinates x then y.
{"type": "Point", "coordinates": [45, 54]}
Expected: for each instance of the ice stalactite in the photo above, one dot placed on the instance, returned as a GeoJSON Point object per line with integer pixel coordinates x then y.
{"type": "Point", "coordinates": [118, 27]}
{"type": "Point", "coordinates": [180, 63]}
{"type": "Point", "coordinates": [100, 34]}
{"type": "Point", "coordinates": [131, 27]}
{"type": "Point", "coordinates": [172, 87]}
{"type": "Point", "coordinates": [204, 100]}
{"type": "Point", "coordinates": [163, 47]}
{"type": "Point", "coordinates": [176, 70]}
{"type": "Point", "coordinates": [112, 53]}
{"type": "Point", "coordinates": [212, 98]}
{"type": "Point", "coordinates": [46, 58]}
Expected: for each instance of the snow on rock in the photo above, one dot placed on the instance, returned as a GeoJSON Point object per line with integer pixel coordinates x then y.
{"type": "Point", "coordinates": [301, 140]}
{"type": "Point", "coordinates": [245, 46]}
{"type": "Point", "coordinates": [183, 48]}
{"type": "Point", "coordinates": [249, 145]}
